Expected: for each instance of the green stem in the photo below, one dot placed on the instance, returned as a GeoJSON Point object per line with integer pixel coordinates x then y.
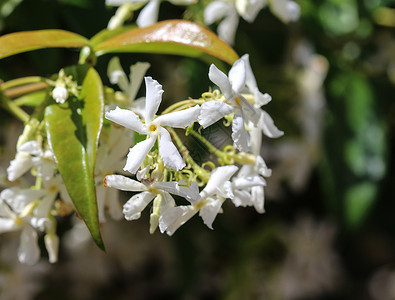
{"type": "Point", "coordinates": [187, 103]}
{"type": "Point", "coordinates": [13, 108]}
{"type": "Point", "coordinates": [21, 81]}
{"type": "Point", "coordinates": [202, 173]}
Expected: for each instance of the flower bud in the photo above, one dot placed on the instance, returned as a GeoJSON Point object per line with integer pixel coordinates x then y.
{"type": "Point", "coordinates": [60, 94]}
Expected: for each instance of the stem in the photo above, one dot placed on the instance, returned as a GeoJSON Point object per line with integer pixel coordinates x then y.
{"type": "Point", "coordinates": [13, 108]}
{"type": "Point", "coordinates": [176, 106]}
{"type": "Point", "coordinates": [201, 172]}
{"type": "Point", "coordinates": [25, 89]}
{"type": "Point", "coordinates": [21, 81]}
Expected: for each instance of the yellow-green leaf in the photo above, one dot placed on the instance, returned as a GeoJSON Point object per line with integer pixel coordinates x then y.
{"type": "Point", "coordinates": [177, 37]}
{"type": "Point", "coordinates": [24, 41]}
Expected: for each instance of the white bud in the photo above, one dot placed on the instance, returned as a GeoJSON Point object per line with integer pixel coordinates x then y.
{"type": "Point", "coordinates": [60, 94]}
{"type": "Point", "coordinates": [52, 244]}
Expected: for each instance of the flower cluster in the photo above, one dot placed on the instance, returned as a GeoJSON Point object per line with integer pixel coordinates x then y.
{"type": "Point", "coordinates": [162, 171]}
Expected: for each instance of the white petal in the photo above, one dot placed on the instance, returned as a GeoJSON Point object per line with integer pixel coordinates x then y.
{"type": "Point", "coordinates": [237, 76]}
{"type": "Point", "coordinates": [124, 183]}
{"type": "Point", "coordinates": [18, 198]}
{"type": "Point", "coordinates": [137, 72]}
{"type": "Point", "coordinates": [116, 74]}
{"type": "Point", "coordinates": [19, 166]}
{"type": "Point", "coordinates": [250, 78]}
{"type": "Point", "coordinates": [247, 182]}
{"type": "Point", "coordinates": [253, 8]}
{"type": "Point", "coordinates": [228, 27]}
{"type": "Point", "coordinates": [266, 123]}
{"type": "Point", "coordinates": [212, 111]}
{"type": "Point", "coordinates": [42, 209]}
{"type": "Point", "coordinates": [216, 10]}
{"type": "Point", "coordinates": [190, 193]}
{"type": "Point", "coordinates": [31, 147]}
{"type": "Point", "coordinates": [242, 198]}
{"type": "Point", "coordinates": [222, 81]}
{"type": "Point", "coordinates": [134, 206]}
{"type": "Point", "coordinates": [261, 167]}
{"type": "Point", "coordinates": [28, 252]}
{"type": "Point", "coordinates": [45, 168]}
{"type": "Point", "coordinates": [7, 225]}
{"type": "Point", "coordinates": [174, 217]}
{"type": "Point", "coordinates": [149, 14]}
{"type": "Point", "coordinates": [137, 154]}
{"type": "Point", "coordinates": [217, 178]}
{"type": "Point", "coordinates": [153, 96]}
{"type": "Point", "coordinates": [285, 10]}
{"type": "Point", "coordinates": [258, 198]}
{"type": "Point", "coordinates": [261, 99]}
{"type": "Point", "coordinates": [126, 118]}
{"type": "Point", "coordinates": [239, 133]}
{"type": "Point", "coordinates": [179, 119]}
{"type": "Point", "coordinates": [168, 152]}
{"type": "Point", "coordinates": [209, 211]}
{"type": "Point", "coordinates": [52, 245]}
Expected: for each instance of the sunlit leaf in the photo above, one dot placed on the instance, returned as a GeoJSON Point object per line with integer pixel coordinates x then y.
{"type": "Point", "coordinates": [32, 99]}
{"type": "Point", "coordinates": [176, 37]}
{"type": "Point", "coordinates": [19, 42]}
{"type": "Point", "coordinates": [73, 129]}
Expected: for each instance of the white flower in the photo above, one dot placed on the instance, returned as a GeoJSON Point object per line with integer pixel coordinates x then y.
{"type": "Point", "coordinates": [149, 14]}
{"type": "Point", "coordinates": [153, 128]}
{"type": "Point", "coordinates": [60, 94]}
{"type": "Point", "coordinates": [135, 205]}
{"type": "Point", "coordinates": [208, 205]}
{"type": "Point", "coordinates": [111, 156]}
{"type": "Point", "coordinates": [129, 86]}
{"type": "Point", "coordinates": [229, 13]}
{"type": "Point", "coordinates": [15, 214]}
{"type": "Point", "coordinates": [31, 154]}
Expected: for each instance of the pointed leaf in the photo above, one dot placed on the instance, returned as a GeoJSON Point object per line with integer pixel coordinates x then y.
{"type": "Point", "coordinates": [19, 42]}
{"type": "Point", "coordinates": [177, 37]}
{"type": "Point", "coordinates": [73, 129]}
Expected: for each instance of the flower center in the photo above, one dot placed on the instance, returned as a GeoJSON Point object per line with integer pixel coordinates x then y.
{"type": "Point", "coordinates": [153, 128]}
{"type": "Point", "coordinates": [238, 100]}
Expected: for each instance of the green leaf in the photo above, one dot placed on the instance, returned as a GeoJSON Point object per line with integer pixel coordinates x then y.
{"type": "Point", "coordinates": [176, 37]}
{"type": "Point", "coordinates": [19, 42]}
{"type": "Point", "coordinates": [106, 34]}
{"type": "Point", "coordinates": [73, 130]}
{"type": "Point", "coordinates": [32, 99]}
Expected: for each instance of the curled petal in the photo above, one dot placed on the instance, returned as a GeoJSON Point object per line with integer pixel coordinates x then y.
{"type": "Point", "coordinates": [217, 179]}
{"type": "Point", "coordinates": [31, 147]}
{"type": "Point", "coordinates": [261, 167]}
{"type": "Point", "coordinates": [179, 119]}
{"type": "Point", "coordinates": [209, 211]}
{"type": "Point", "coordinates": [19, 166]}
{"type": "Point", "coordinates": [153, 96]}
{"type": "Point", "coordinates": [18, 198]}
{"type": "Point", "coordinates": [222, 81]}
{"type": "Point", "coordinates": [134, 206]}
{"type": "Point", "coordinates": [242, 198]}
{"type": "Point", "coordinates": [52, 246]}
{"type": "Point", "coordinates": [285, 10]}
{"type": "Point", "coordinates": [237, 76]}
{"type": "Point", "coordinates": [149, 14]}
{"type": "Point", "coordinates": [124, 183]}
{"type": "Point", "coordinates": [174, 217]}
{"type": "Point", "coordinates": [266, 123]}
{"type": "Point", "coordinates": [252, 10]}
{"type": "Point", "coordinates": [247, 182]}
{"type": "Point", "coordinates": [258, 198]}
{"type": "Point", "coordinates": [169, 153]}
{"type": "Point", "coordinates": [228, 27]}
{"type": "Point", "coordinates": [138, 153]}
{"type": "Point", "coordinates": [28, 252]}
{"type": "Point", "coordinates": [261, 99]}
{"type": "Point", "coordinates": [239, 133]}
{"type": "Point", "coordinates": [126, 118]}
{"type": "Point", "coordinates": [212, 111]}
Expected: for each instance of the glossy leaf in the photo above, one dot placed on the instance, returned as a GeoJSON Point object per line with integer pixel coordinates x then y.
{"type": "Point", "coordinates": [19, 42]}
{"type": "Point", "coordinates": [73, 129]}
{"type": "Point", "coordinates": [177, 37]}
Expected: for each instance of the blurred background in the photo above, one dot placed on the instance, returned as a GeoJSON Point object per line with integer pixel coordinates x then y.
{"type": "Point", "coordinates": [329, 227]}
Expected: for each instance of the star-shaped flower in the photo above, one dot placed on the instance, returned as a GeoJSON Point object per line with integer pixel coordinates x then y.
{"type": "Point", "coordinates": [149, 190]}
{"type": "Point", "coordinates": [208, 205]}
{"type": "Point", "coordinates": [153, 128]}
